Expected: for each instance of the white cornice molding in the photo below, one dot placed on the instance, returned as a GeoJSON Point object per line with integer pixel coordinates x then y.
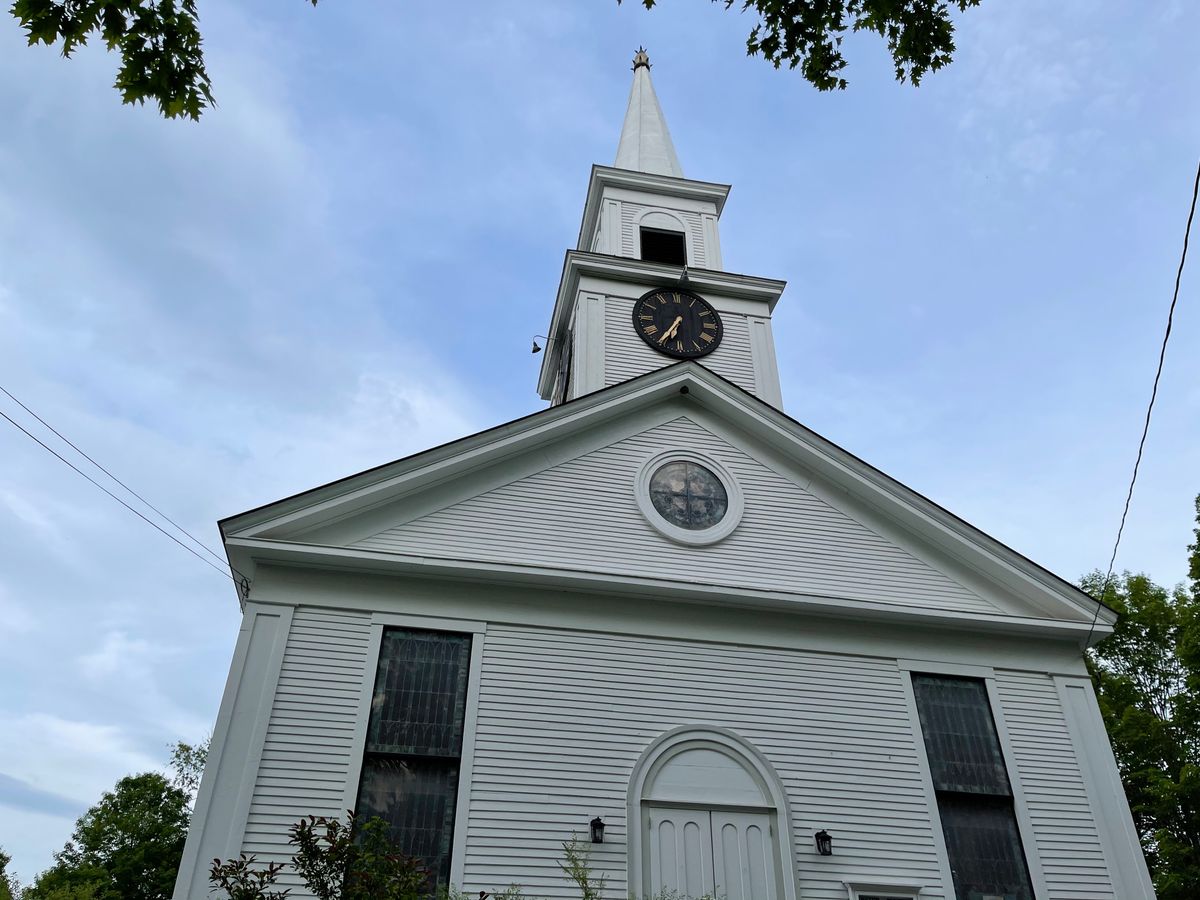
{"type": "Point", "coordinates": [649, 275]}
{"type": "Point", "coordinates": [663, 185]}
{"type": "Point", "coordinates": [246, 552]}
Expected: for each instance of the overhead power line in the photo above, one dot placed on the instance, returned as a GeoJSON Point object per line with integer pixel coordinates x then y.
{"type": "Point", "coordinates": [224, 568]}
{"type": "Point", "coordinates": [1162, 355]}
{"type": "Point", "coordinates": [199, 543]}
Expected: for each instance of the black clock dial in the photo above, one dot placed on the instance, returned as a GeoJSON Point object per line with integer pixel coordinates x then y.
{"type": "Point", "coordinates": [677, 323]}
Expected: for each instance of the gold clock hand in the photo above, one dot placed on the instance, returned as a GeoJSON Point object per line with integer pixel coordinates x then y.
{"type": "Point", "coordinates": [670, 332]}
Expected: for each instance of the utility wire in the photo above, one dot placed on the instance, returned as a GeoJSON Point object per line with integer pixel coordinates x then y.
{"type": "Point", "coordinates": [155, 525]}
{"type": "Point", "coordinates": [70, 444]}
{"type": "Point", "coordinates": [1162, 355]}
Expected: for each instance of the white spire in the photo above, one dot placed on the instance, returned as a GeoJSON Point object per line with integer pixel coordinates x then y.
{"type": "Point", "coordinates": [645, 142]}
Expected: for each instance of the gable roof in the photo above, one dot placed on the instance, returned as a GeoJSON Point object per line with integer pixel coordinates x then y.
{"type": "Point", "coordinates": [297, 528]}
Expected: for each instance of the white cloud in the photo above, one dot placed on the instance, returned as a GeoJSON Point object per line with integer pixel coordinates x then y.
{"type": "Point", "coordinates": [68, 757]}
{"type": "Point", "coordinates": [16, 619]}
{"type": "Point", "coordinates": [120, 653]}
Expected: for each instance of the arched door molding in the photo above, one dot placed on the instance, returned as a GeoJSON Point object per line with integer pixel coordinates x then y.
{"type": "Point", "coordinates": [760, 789]}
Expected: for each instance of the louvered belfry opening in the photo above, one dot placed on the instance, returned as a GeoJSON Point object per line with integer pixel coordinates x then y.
{"type": "Point", "coordinates": [414, 742]}
{"type": "Point", "coordinates": [974, 797]}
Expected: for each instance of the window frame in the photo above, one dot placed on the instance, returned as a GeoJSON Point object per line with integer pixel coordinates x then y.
{"type": "Point", "coordinates": [862, 890]}
{"type": "Point", "coordinates": [477, 631]}
{"type": "Point", "coordinates": [655, 230]}
{"type": "Point", "coordinates": [987, 675]}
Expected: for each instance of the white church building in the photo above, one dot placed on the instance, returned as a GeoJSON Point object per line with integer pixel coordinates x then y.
{"type": "Point", "coordinates": [768, 669]}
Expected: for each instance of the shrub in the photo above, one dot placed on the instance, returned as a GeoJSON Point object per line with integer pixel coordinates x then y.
{"type": "Point", "coordinates": [339, 861]}
{"type": "Point", "coordinates": [242, 881]}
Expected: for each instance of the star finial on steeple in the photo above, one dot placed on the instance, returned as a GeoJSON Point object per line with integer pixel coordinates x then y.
{"type": "Point", "coordinates": [641, 58]}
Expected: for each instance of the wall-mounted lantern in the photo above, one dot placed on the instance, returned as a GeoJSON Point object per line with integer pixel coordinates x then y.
{"type": "Point", "coordinates": [596, 829]}
{"type": "Point", "coordinates": [824, 842]}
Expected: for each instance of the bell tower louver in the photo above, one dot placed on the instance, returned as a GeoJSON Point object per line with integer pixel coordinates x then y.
{"type": "Point", "coordinates": [649, 230]}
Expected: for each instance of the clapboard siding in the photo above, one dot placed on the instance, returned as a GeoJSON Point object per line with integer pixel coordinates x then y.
{"type": "Point", "coordinates": [564, 716]}
{"type": "Point", "coordinates": [1063, 821]}
{"type": "Point", "coordinates": [694, 222]}
{"type": "Point", "coordinates": [306, 757]}
{"type": "Point", "coordinates": [582, 514]}
{"type": "Point", "coordinates": [627, 356]}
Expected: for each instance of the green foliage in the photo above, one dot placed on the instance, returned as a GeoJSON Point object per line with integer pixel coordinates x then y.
{"type": "Point", "coordinates": [162, 59]}
{"type": "Point", "coordinates": [240, 879]}
{"type": "Point", "coordinates": [187, 762]}
{"type": "Point", "coordinates": [577, 863]}
{"type": "Point", "coordinates": [1147, 677]}
{"type": "Point", "coordinates": [351, 861]}
{"type": "Point", "coordinates": [807, 34]}
{"type": "Point", "coordinates": [126, 847]}
{"type": "Point", "coordinates": [83, 890]}
{"type": "Point", "coordinates": [9, 889]}
{"type": "Point", "coordinates": [158, 40]}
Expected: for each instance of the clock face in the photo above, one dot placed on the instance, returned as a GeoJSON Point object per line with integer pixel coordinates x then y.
{"type": "Point", "coordinates": [677, 323]}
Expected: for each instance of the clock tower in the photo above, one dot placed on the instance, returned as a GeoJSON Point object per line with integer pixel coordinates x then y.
{"type": "Point", "coordinates": [646, 286]}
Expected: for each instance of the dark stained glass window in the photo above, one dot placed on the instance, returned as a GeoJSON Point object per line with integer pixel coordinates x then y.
{"type": "Point", "coordinates": [688, 495]}
{"type": "Point", "coordinates": [414, 742]}
{"type": "Point", "coordinates": [960, 737]}
{"type": "Point", "coordinates": [974, 797]}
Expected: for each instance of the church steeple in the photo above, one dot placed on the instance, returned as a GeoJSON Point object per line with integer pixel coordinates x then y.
{"type": "Point", "coordinates": [645, 141]}
{"type": "Point", "coordinates": [647, 228]}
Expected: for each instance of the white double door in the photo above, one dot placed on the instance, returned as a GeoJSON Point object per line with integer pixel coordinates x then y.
{"type": "Point", "coordinates": [699, 852]}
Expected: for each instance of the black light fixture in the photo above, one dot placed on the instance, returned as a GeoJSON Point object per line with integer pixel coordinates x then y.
{"type": "Point", "coordinates": [824, 842]}
{"type": "Point", "coordinates": [596, 830]}
{"type": "Point", "coordinates": [537, 348]}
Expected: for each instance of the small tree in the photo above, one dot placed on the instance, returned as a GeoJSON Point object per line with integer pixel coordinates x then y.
{"type": "Point", "coordinates": [126, 847]}
{"type": "Point", "coordinates": [348, 861]}
{"type": "Point", "coordinates": [577, 863]}
{"type": "Point", "coordinates": [187, 762]}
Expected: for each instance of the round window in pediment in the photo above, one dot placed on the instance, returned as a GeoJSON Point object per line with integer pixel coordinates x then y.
{"type": "Point", "coordinates": [688, 495]}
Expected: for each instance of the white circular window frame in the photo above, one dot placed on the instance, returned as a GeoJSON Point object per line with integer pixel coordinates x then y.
{"type": "Point", "coordinates": [733, 492]}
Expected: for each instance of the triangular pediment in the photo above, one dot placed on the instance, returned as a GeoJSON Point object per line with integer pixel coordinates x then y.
{"type": "Point", "coordinates": [584, 513]}
{"type": "Point", "coordinates": [555, 497]}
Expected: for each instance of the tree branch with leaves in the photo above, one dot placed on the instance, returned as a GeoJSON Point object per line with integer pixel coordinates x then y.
{"type": "Point", "coordinates": [808, 34]}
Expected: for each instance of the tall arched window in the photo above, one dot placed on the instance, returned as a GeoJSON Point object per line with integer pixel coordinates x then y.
{"type": "Point", "coordinates": [708, 816]}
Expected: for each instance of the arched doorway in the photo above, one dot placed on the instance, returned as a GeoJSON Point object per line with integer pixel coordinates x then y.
{"type": "Point", "coordinates": [708, 816]}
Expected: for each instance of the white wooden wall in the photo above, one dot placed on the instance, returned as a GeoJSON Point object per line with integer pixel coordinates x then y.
{"type": "Point", "coordinates": [1068, 840]}
{"type": "Point", "coordinates": [563, 715]}
{"type": "Point", "coordinates": [307, 755]}
{"type": "Point", "coordinates": [583, 515]}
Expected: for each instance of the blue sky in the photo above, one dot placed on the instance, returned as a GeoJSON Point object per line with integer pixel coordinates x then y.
{"type": "Point", "coordinates": [228, 312]}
